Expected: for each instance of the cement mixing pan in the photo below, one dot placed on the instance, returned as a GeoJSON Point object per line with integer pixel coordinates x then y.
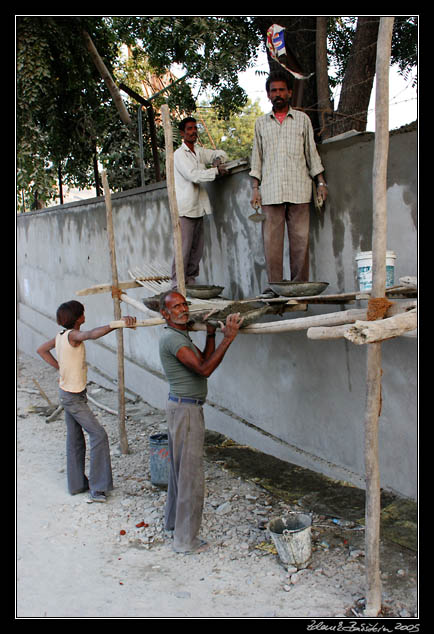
{"type": "Point", "coordinates": [298, 289]}
{"type": "Point", "coordinates": [153, 303]}
{"type": "Point", "coordinates": [250, 311]}
{"type": "Point", "coordinates": [203, 292]}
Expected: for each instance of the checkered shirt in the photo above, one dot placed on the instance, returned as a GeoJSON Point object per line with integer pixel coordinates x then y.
{"type": "Point", "coordinates": [285, 158]}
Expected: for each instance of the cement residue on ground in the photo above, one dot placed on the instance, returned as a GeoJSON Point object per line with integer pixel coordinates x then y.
{"type": "Point", "coordinates": [114, 560]}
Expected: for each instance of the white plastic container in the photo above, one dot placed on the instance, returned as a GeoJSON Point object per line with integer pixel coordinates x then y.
{"type": "Point", "coordinates": [364, 269]}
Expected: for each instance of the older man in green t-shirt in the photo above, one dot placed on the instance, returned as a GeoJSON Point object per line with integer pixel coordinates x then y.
{"type": "Point", "coordinates": [187, 370]}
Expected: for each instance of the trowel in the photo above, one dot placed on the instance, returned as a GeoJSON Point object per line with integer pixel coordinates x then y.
{"type": "Point", "coordinates": [258, 216]}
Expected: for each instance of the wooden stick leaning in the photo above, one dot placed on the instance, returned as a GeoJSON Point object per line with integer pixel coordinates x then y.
{"type": "Point", "coordinates": [170, 178]}
{"type": "Point", "coordinates": [123, 440]}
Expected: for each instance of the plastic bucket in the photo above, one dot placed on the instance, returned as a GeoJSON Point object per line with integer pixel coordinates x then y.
{"type": "Point", "coordinates": [159, 460]}
{"type": "Point", "coordinates": [364, 269]}
{"type": "Point", "coordinates": [292, 538]}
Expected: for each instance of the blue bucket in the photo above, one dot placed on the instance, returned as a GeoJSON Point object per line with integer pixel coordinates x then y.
{"type": "Point", "coordinates": [159, 460]}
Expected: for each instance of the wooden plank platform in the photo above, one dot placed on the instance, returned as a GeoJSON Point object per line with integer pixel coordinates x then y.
{"type": "Point", "coordinates": [403, 292]}
{"type": "Point", "coordinates": [396, 292]}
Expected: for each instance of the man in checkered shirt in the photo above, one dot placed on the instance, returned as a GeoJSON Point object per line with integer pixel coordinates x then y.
{"type": "Point", "coordinates": [284, 162]}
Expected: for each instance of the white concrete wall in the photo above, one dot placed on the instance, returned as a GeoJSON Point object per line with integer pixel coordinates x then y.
{"type": "Point", "coordinates": [300, 400]}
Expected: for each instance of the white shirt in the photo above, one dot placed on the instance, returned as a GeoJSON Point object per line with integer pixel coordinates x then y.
{"type": "Point", "coordinates": [190, 171]}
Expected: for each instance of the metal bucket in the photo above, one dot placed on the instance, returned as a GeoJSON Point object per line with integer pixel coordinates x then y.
{"type": "Point", "coordinates": [159, 460]}
{"type": "Point", "coordinates": [292, 538]}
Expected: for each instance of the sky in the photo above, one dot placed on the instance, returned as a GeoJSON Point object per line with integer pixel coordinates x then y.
{"type": "Point", "coordinates": [403, 103]}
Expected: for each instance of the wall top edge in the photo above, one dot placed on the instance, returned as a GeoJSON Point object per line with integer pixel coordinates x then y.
{"type": "Point", "coordinates": [95, 200]}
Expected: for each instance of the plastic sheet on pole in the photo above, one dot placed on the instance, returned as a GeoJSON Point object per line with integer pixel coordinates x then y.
{"type": "Point", "coordinates": [277, 48]}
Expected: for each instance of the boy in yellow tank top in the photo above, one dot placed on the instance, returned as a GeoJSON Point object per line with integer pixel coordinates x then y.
{"type": "Point", "coordinates": [71, 363]}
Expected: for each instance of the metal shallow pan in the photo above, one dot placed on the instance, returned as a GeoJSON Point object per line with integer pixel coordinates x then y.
{"type": "Point", "coordinates": [250, 311]}
{"type": "Point", "coordinates": [298, 289]}
{"type": "Point", "coordinates": [201, 291]}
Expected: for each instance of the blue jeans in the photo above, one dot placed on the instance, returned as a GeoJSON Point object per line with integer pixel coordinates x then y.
{"type": "Point", "coordinates": [79, 418]}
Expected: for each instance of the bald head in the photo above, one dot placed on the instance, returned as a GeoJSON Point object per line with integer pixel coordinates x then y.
{"type": "Point", "coordinates": [167, 297]}
{"type": "Point", "coordinates": [174, 309]}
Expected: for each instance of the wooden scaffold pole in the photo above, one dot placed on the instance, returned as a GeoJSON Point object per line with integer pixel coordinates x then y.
{"type": "Point", "coordinates": [374, 356]}
{"type": "Point", "coordinates": [170, 178]}
{"type": "Point", "coordinates": [123, 440]}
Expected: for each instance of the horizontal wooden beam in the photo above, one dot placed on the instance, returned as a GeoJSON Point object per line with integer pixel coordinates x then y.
{"type": "Point", "coordinates": [302, 323]}
{"type": "Point", "coordinates": [107, 288]}
{"type": "Point", "coordinates": [363, 332]}
{"type": "Point", "coordinates": [340, 331]}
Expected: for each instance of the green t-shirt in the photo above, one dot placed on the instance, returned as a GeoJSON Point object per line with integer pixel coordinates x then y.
{"type": "Point", "coordinates": [182, 380]}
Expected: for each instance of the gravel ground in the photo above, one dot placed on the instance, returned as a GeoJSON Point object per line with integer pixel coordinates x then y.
{"type": "Point", "coordinates": [113, 560]}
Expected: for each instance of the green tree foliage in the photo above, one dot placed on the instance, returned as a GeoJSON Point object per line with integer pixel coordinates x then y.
{"type": "Point", "coordinates": [62, 106]}
{"type": "Point", "coordinates": [233, 135]}
{"type": "Point", "coordinates": [340, 37]}
{"type": "Point", "coordinates": [212, 49]}
{"type": "Point", "coordinates": [66, 119]}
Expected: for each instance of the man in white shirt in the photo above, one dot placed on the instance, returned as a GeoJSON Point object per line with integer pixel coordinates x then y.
{"type": "Point", "coordinates": [190, 170]}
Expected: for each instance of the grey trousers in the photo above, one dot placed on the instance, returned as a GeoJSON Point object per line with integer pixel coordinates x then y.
{"type": "Point", "coordinates": [296, 218]}
{"type": "Point", "coordinates": [79, 417]}
{"type": "Point", "coordinates": [192, 248]}
{"type": "Point", "coordinates": [186, 485]}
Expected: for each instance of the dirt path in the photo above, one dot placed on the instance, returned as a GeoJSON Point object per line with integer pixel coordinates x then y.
{"type": "Point", "coordinates": [81, 560]}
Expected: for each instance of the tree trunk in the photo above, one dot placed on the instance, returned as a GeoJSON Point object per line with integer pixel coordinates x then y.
{"type": "Point", "coordinates": [325, 106]}
{"type": "Point", "coordinates": [300, 45]}
{"type": "Point", "coordinates": [96, 172]}
{"type": "Point", "coordinates": [352, 112]}
{"type": "Point", "coordinates": [305, 45]}
{"type": "Point", "coordinates": [59, 176]}
{"type": "Point", "coordinates": [179, 263]}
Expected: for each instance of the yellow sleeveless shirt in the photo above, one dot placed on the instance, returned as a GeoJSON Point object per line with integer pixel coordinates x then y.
{"type": "Point", "coordinates": [72, 363]}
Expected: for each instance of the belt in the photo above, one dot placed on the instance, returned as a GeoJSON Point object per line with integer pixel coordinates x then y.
{"type": "Point", "coordinates": [183, 399]}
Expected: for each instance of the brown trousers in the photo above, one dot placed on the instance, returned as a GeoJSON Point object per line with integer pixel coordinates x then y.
{"type": "Point", "coordinates": [296, 218]}
{"type": "Point", "coordinates": [192, 239]}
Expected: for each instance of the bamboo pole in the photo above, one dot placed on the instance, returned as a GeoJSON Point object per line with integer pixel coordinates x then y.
{"type": "Point", "coordinates": [117, 315]}
{"type": "Point", "coordinates": [374, 357]}
{"type": "Point", "coordinates": [170, 177]}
